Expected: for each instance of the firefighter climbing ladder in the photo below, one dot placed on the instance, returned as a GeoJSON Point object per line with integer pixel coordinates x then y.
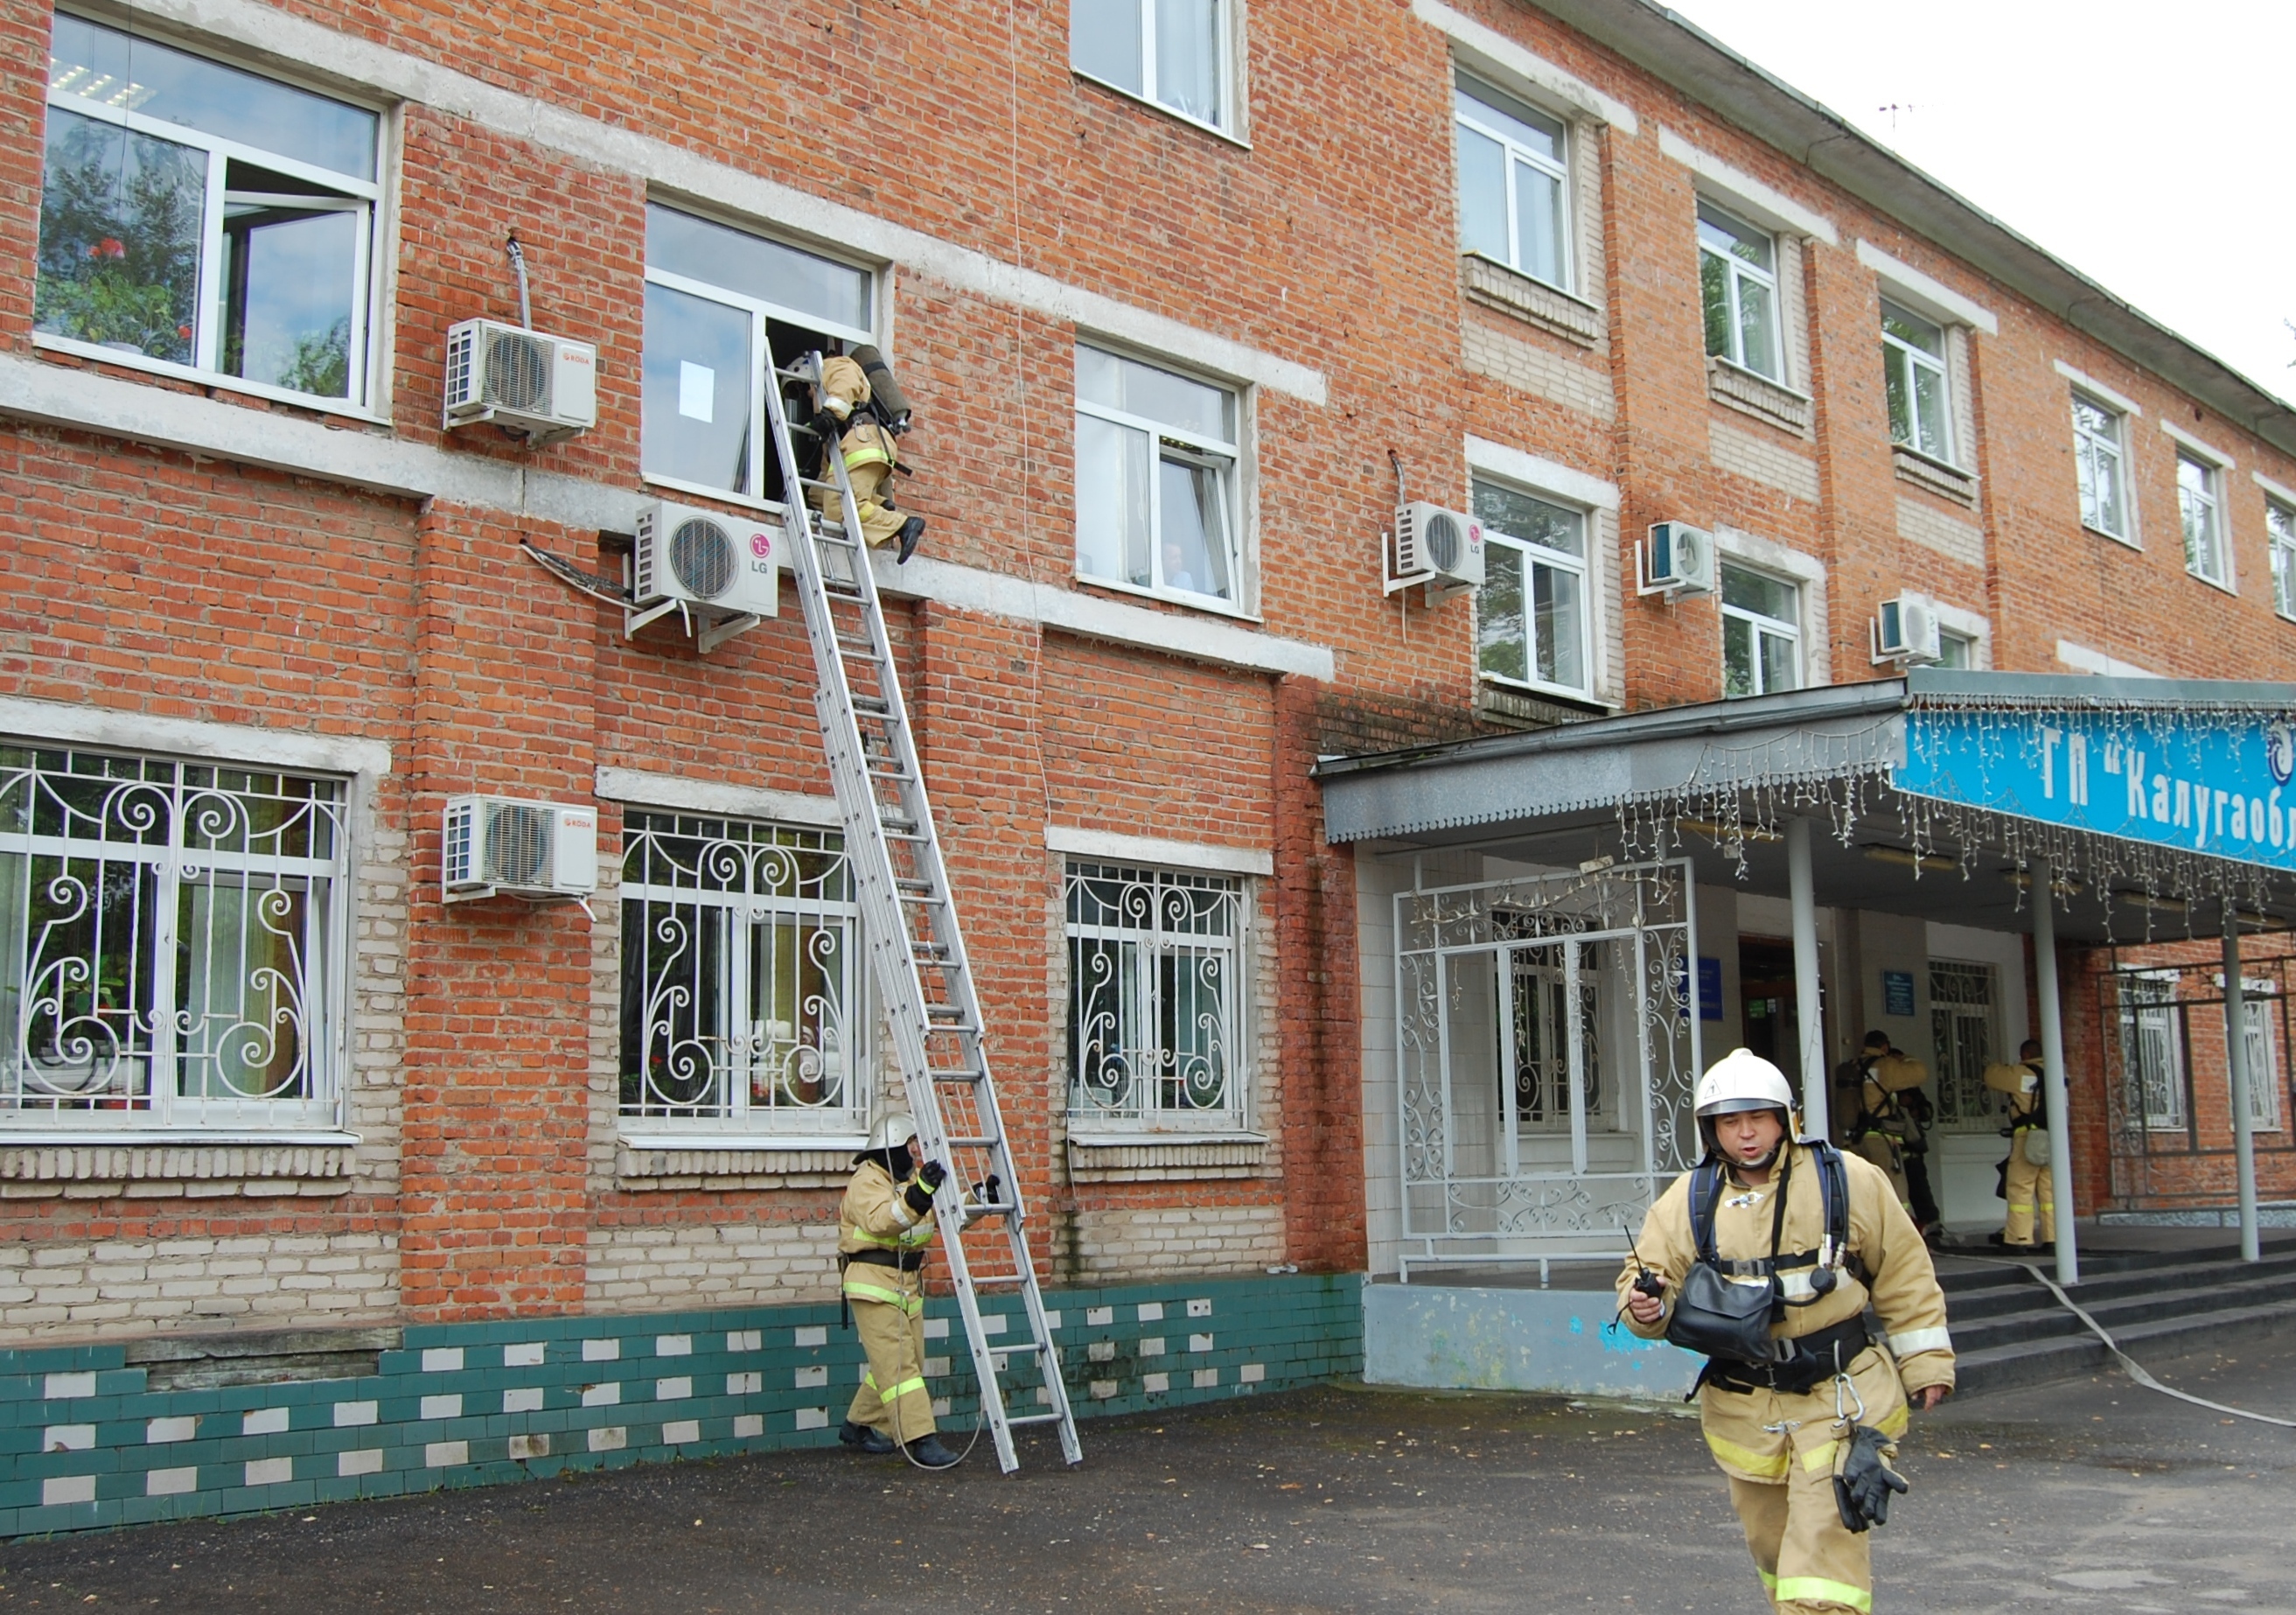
{"type": "Point", "coordinates": [909, 921]}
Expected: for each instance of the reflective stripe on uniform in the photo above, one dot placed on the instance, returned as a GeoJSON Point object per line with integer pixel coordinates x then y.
{"type": "Point", "coordinates": [1913, 1341]}
{"type": "Point", "coordinates": [1751, 1461]}
{"type": "Point", "coordinates": [861, 1292]}
{"type": "Point", "coordinates": [1820, 1457]}
{"type": "Point", "coordinates": [1768, 1580]}
{"type": "Point", "coordinates": [1893, 1423]}
{"type": "Point", "coordinates": [869, 454]}
{"type": "Point", "coordinates": [1817, 1589]}
{"type": "Point", "coordinates": [901, 1389]}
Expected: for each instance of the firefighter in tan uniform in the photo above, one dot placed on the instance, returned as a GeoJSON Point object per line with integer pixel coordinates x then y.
{"type": "Point", "coordinates": [1801, 1408]}
{"type": "Point", "coordinates": [883, 1229]}
{"type": "Point", "coordinates": [2031, 1224]}
{"type": "Point", "coordinates": [867, 438]}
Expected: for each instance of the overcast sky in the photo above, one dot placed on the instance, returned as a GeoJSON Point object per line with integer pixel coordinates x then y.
{"type": "Point", "coordinates": [2147, 146]}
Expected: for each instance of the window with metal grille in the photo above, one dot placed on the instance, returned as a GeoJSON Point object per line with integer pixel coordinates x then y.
{"type": "Point", "coordinates": [1154, 1023]}
{"type": "Point", "coordinates": [171, 943]}
{"type": "Point", "coordinates": [740, 977]}
{"type": "Point", "coordinates": [2153, 1051]}
{"type": "Point", "coordinates": [2261, 1020]}
{"type": "Point", "coordinates": [1961, 1027]}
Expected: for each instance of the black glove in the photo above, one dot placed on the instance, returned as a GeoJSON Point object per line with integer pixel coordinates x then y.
{"type": "Point", "coordinates": [933, 1174]}
{"type": "Point", "coordinates": [988, 1191]}
{"type": "Point", "coordinates": [1863, 1484]}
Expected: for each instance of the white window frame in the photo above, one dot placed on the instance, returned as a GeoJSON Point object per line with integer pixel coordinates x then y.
{"type": "Point", "coordinates": [1513, 150]}
{"type": "Point", "coordinates": [2280, 531]}
{"type": "Point", "coordinates": [101, 1106]}
{"type": "Point", "coordinates": [2089, 449]}
{"type": "Point", "coordinates": [841, 1051]}
{"type": "Point", "coordinates": [2148, 1002]}
{"type": "Point", "coordinates": [1228, 458]}
{"type": "Point", "coordinates": [1760, 624]}
{"type": "Point", "coordinates": [760, 311]}
{"type": "Point", "coordinates": [1539, 554]}
{"type": "Point", "coordinates": [1229, 125]}
{"type": "Point", "coordinates": [1736, 269]}
{"type": "Point", "coordinates": [2261, 1024]}
{"type": "Point", "coordinates": [366, 198]}
{"type": "Point", "coordinates": [1898, 353]}
{"type": "Point", "coordinates": [2208, 501]}
{"type": "Point", "coordinates": [1141, 993]}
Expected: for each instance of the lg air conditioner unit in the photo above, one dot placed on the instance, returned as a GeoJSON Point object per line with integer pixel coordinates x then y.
{"type": "Point", "coordinates": [1436, 546]}
{"type": "Point", "coordinates": [1676, 559]}
{"type": "Point", "coordinates": [1906, 631]}
{"type": "Point", "coordinates": [698, 557]}
{"type": "Point", "coordinates": [498, 846]}
{"type": "Point", "coordinates": [544, 387]}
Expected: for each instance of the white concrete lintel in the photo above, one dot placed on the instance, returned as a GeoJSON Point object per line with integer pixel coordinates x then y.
{"type": "Point", "coordinates": [1484, 48]}
{"type": "Point", "coordinates": [641, 789]}
{"type": "Point", "coordinates": [1764, 204]}
{"type": "Point", "coordinates": [1926, 294]}
{"type": "Point", "coordinates": [1541, 475]}
{"type": "Point", "coordinates": [2081, 659]}
{"type": "Point", "coordinates": [243, 743]}
{"type": "Point", "coordinates": [2285, 495]}
{"type": "Point", "coordinates": [381, 71]}
{"type": "Point", "coordinates": [1154, 849]}
{"type": "Point", "coordinates": [2098, 391]}
{"type": "Point", "coordinates": [2206, 451]}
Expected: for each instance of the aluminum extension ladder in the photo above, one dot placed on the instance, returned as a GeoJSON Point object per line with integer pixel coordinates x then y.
{"type": "Point", "coordinates": [909, 920]}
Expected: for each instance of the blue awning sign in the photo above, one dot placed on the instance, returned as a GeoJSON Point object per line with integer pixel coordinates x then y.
{"type": "Point", "coordinates": [2208, 781]}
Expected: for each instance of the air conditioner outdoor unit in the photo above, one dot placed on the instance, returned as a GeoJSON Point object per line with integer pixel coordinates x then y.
{"type": "Point", "coordinates": [499, 846]}
{"type": "Point", "coordinates": [1676, 559]}
{"type": "Point", "coordinates": [1906, 630]}
{"type": "Point", "coordinates": [703, 558]}
{"type": "Point", "coordinates": [1432, 543]}
{"type": "Point", "coordinates": [546, 387]}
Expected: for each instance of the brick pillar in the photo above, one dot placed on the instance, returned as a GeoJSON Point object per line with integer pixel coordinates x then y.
{"type": "Point", "coordinates": [973, 691]}
{"type": "Point", "coordinates": [497, 1037]}
{"type": "Point", "coordinates": [1318, 1044]}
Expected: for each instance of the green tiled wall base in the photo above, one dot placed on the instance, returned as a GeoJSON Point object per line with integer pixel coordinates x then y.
{"type": "Point", "coordinates": [85, 1445]}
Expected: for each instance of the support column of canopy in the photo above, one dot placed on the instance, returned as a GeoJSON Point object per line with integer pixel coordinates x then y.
{"type": "Point", "coordinates": [2243, 1120]}
{"type": "Point", "coordinates": [1816, 1121]}
{"type": "Point", "coordinates": [2052, 1061]}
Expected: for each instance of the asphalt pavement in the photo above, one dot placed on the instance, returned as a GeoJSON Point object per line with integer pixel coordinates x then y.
{"type": "Point", "coordinates": [2092, 1496]}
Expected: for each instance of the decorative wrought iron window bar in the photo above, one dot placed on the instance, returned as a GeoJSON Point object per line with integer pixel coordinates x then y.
{"type": "Point", "coordinates": [1154, 1023]}
{"type": "Point", "coordinates": [741, 987]}
{"type": "Point", "coordinates": [172, 936]}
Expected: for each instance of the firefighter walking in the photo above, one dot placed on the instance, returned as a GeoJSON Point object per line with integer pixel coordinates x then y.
{"type": "Point", "coordinates": [2030, 1225]}
{"type": "Point", "coordinates": [883, 1227]}
{"type": "Point", "coordinates": [1764, 1258]}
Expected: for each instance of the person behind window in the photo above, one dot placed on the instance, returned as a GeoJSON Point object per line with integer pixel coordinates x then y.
{"type": "Point", "coordinates": [861, 409]}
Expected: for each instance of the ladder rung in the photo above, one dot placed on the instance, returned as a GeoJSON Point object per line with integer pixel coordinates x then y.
{"type": "Point", "coordinates": [999, 1208]}
{"type": "Point", "coordinates": [1006, 1281]}
{"type": "Point", "coordinates": [957, 1076]}
{"type": "Point", "coordinates": [970, 1143]}
{"type": "Point", "coordinates": [952, 1013]}
{"type": "Point", "coordinates": [1018, 1345]}
{"type": "Point", "coordinates": [1013, 1420]}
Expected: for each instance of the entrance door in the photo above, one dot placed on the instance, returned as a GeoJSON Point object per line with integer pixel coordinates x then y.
{"type": "Point", "coordinates": [1766, 1004]}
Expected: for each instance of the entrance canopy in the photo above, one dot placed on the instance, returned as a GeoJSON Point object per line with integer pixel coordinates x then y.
{"type": "Point", "coordinates": [2156, 803]}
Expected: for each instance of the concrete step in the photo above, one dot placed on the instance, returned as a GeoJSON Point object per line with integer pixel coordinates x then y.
{"type": "Point", "coordinates": [2057, 1357]}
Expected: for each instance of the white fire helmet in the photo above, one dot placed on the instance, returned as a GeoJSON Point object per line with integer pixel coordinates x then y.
{"type": "Point", "coordinates": [1743, 1080]}
{"type": "Point", "coordinates": [894, 1128]}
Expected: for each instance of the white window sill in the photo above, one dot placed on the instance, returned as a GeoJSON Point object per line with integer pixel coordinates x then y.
{"type": "Point", "coordinates": [1500, 681]}
{"type": "Point", "coordinates": [2125, 543]}
{"type": "Point", "coordinates": [1210, 604]}
{"type": "Point", "coordinates": [1594, 309]}
{"type": "Point", "coordinates": [1176, 116]}
{"type": "Point", "coordinates": [1106, 1139]}
{"type": "Point", "coordinates": [759, 1144]}
{"type": "Point", "coordinates": [140, 1137]}
{"type": "Point", "coordinates": [2284, 616]}
{"type": "Point", "coordinates": [2217, 584]}
{"type": "Point", "coordinates": [716, 496]}
{"type": "Point", "coordinates": [1751, 374]}
{"type": "Point", "coordinates": [48, 342]}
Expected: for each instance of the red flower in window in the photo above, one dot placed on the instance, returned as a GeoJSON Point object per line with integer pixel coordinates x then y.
{"type": "Point", "coordinates": [109, 247]}
{"type": "Point", "coordinates": [184, 331]}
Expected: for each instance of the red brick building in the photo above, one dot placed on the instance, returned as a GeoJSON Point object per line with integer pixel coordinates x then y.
{"type": "Point", "coordinates": [1176, 316]}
